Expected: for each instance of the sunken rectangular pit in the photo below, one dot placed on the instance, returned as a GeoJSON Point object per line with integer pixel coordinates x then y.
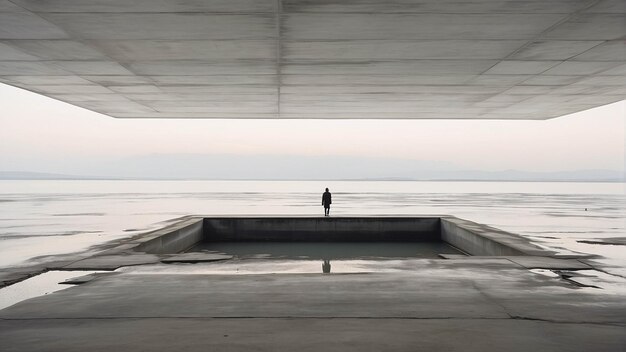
{"type": "Point", "coordinates": [321, 229]}
{"type": "Point", "coordinates": [324, 238]}
{"type": "Point", "coordinates": [336, 237]}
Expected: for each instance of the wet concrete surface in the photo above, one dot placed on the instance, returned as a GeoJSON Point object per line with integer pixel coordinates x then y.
{"type": "Point", "coordinates": [484, 304]}
{"type": "Point", "coordinates": [324, 250]}
{"type": "Point", "coordinates": [615, 241]}
{"type": "Point", "coordinates": [112, 262]}
{"type": "Point", "coordinates": [197, 257]}
{"type": "Point", "coordinates": [276, 334]}
{"type": "Point", "coordinates": [246, 298]}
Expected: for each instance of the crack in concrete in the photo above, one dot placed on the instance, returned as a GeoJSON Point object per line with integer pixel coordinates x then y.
{"type": "Point", "coordinates": [491, 299]}
{"type": "Point", "coordinates": [555, 321]}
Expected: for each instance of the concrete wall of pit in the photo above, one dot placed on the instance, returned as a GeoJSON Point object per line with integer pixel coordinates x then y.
{"type": "Point", "coordinates": [469, 237]}
{"type": "Point", "coordinates": [322, 229]}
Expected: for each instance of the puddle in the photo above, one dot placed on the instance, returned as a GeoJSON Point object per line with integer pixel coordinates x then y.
{"type": "Point", "coordinates": [546, 272]}
{"type": "Point", "coordinates": [276, 266]}
{"type": "Point", "coordinates": [36, 286]}
{"type": "Point", "coordinates": [591, 280]}
{"type": "Point", "coordinates": [598, 280]}
{"type": "Point", "coordinates": [327, 250]}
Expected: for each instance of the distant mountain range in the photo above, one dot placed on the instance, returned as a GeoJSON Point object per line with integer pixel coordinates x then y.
{"type": "Point", "coordinates": [277, 167]}
{"type": "Point", "coordinates": [21, 175]}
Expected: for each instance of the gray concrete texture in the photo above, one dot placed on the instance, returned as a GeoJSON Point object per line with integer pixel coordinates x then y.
{"type": "Point", "coordinates": [432, 305]}
{"type": "Point", "coordinates": [483, 240]}
{"type": "Point", "coordinates": [461, 303]}
{"type": "Point", "coordinates": [173, 238]}
{"type": "Point", "coordinates": [322, 229]}
{"type": "Point", "coordinates": [331, 59]}
{"type": "Point", "coordinates": [470, 237]}
{"type": "Point", "coordinates": [167, 244]}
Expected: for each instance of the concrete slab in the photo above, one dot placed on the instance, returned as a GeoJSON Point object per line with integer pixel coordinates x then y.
{"type": "Point", "coordinates": [10, 276]}
{"type": "Point", "coordinates": [112, 262]}
{"type": "Point", "coordinates": [615, 71]}
{"type": "Point", "coordinates": [528, 262]}
{"type": "Point", "coordinates": [554, 49]}
{"type": "Point", "coordinates": [118, 80]}
{"type": "Point", "coordinates": [47, 80]}
{"type": "Point", "coordinates": [548, 80]}
{"type": "Point", "coordinates": [74, 89]}
{"type": "Point", "coordinates": [137, 50]}
{"type": "Point", "coordinates": [9, 53]}
{"type": "Point", "coordinates": [26, 25]}
{"type": "Point", "coordinates": [202, 68]}
{"type": "Point", "coordinates": [414, 26]}
{"type": "Point", "coordinates": [221, 80]}
{"type": "Point", "coordinates": [582, 68]}
{"type": "Point", "coordinates": [75, 98]}
{"type": "Point", "coordinates": [58, 49]}
{"type": "Point", "coordinates": [403, 295]}
{"type": "Point", "coordinates": [400, 6]}
{"type": "Point", "coordinates": [424, 67]}
{"type": "Point", "coordinates": [80, 279]}
{"type": "Point", "coordinates": [607, 51]}
{"type": "Point", "coordinates": [479, 262]}
{"type": "Point", "coordinates": [350, 295]}
{"type": "Point", "coordinates": [590, 27]}
{"type": "Point", "coordinates": [531, 262]}
{"type": "Point", "coordinates": [34, 68]}
{"type": "Point", "coordinates": [147, 6]}
{"type": "Point", "coordinates": [8, 6]}
{"type": "Point", "coordinates": [370, 50]}
{"type": "Point", "coordinates": [435, 304]}
{"type": "Point", "coordinates": [272, 334]}
{"type": "Point", "coordinates": [515, 67]}
{"type": "Point", "coordinates": [608, 6]}
{"type": "Point", "coordinates": [92, 67]}
{"type": "Point", "coordinates": [155, 51]}
{"type": "Point", "coordinates": [175, 26]}
{"type": "Point", "coordinates": [339, 296]}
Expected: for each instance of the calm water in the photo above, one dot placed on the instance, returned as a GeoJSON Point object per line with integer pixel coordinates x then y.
{"type": "Point", "coordinates": [326, 251]}
{"type": "Point", "coordinates": [40, 219]}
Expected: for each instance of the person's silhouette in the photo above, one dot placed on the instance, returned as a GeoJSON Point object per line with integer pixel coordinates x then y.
{"type": "Point", "coordinates": [326, 266]}
{"type": "Point", "coordinates": [326, 202]}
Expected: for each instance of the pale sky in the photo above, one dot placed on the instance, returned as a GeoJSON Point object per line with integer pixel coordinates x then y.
{"type": "Point", "coordinates": [37, 133]}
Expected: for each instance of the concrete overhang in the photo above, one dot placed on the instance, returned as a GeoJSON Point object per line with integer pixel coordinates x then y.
{"type": "Point", "coordinates": [318, 59]}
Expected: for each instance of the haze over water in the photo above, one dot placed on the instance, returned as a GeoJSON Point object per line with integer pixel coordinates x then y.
{"type": "Point", "coordinates": [39, 219]}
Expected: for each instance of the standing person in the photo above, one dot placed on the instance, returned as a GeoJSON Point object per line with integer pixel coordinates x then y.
{"type": "Point", "coordinates": [326, 202]}
{"type": "Point", "coordinates": [326, 266]}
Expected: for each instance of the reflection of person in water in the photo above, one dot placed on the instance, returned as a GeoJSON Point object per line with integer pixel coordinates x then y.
{"type": "Point", "coordinates": [326, 202]}
{"type": "Point", "coordinates": [326, 266]}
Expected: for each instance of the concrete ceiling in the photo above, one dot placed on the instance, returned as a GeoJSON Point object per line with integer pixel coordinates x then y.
{"type": "Point", "coordinates": [394, 59]}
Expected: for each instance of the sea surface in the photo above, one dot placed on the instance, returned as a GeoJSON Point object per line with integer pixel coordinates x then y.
{"type": "Point", "coordinates": [43, 220]}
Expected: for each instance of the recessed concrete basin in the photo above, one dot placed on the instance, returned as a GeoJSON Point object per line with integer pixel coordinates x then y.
{"type": "Point", "coordinates": [464, 236]}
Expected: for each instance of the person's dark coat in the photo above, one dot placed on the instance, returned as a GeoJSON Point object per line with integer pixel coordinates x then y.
{"type": "Point", "coordinates": [326, 199]}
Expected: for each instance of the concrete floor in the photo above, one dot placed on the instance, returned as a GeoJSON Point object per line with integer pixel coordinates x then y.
{"type": "Point", "coordinates": [474, 304]}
